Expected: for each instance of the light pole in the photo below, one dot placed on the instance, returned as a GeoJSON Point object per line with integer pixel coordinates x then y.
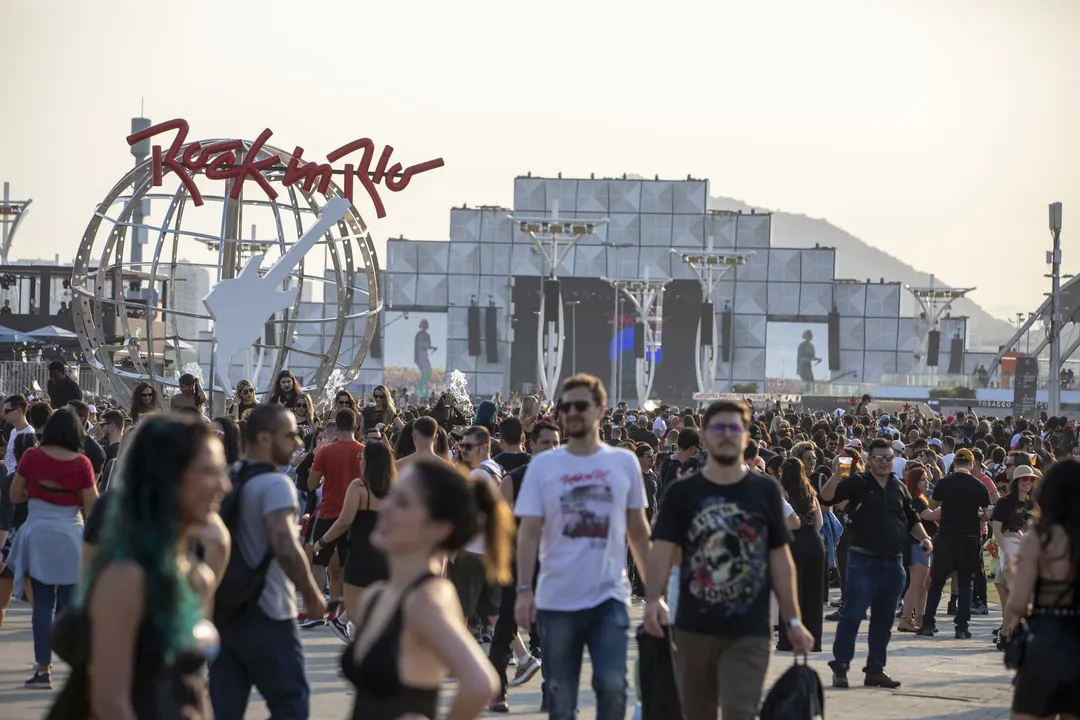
{"type": "Point", "coordinates": [1053, 258]}
{"type": "Point", "coordinates": [573, 335]}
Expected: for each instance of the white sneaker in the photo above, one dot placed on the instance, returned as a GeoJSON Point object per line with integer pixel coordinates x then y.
{"type": "Point", "coordinates": [526, 671]}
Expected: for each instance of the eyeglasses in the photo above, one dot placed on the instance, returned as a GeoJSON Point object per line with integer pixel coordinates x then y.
{"type": "Point", "coordinates": [727, 428]}
{"type": "Point", "coordinates": [882, 458]}
{"type": "Point", "coordinates": [577, 405]}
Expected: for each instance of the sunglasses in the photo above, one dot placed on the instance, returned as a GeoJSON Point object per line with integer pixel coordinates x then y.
{"type": "Point", "coordinates": [380, 396]}
{"type": "Point", "coordinates": [246, 391]}
{"type": "Point", "coordinates": [882, 458]}
{"type": "Point", "coordinates": [150, 394]}
{"type": "Point", "coordinates": [342, 402]}
{"type": "Point", "coordinates": [467, 446]}
{"type": "Point", "coordinates": [577, 405]}
{"type": "Point", "coordinates": [301, 406]}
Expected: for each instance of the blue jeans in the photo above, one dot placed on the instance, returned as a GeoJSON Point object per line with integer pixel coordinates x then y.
{"type": "Point", "coordinates": [874, 582]}
{"type": "Point", "coordinates": [48, 601]}
{"type": "Point", "coordinates": [563, 638]}
{"type": "Point", "coordinates": [256, 650]}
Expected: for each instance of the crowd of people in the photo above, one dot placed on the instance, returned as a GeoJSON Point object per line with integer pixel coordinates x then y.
{"type": "Point", "coordinates": [164, 552]}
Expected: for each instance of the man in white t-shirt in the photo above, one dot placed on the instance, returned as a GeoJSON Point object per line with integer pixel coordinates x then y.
{"type": "Point", "coordinates": [15, 414]}
{"type": "Point", "coordinates": [579, 505]}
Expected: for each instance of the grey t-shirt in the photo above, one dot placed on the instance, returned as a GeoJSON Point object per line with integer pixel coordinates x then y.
{"type": "Point", "coordinates": [262, 495]}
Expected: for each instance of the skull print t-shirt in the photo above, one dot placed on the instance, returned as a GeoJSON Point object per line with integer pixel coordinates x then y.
{"type": "Point", "coordinates": [725, 533]}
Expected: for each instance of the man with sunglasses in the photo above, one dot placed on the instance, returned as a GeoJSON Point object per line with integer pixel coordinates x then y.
{"type": "Point", "coordinates": [729, 523]}
{"type": "Point", "coordinates": [882, 520]}
{"type": "Point", "coordinates": [579, 504]}
{"type": "Point", "coordinates": [15, 415]}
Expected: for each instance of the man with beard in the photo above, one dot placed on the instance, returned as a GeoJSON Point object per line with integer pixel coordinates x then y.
{"type": "Point", "coordinates": [728, 521]}
{"type": "Point", "coordinates": [584, 500]}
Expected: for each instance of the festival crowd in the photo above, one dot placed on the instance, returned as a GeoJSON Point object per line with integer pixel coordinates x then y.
{"type": "Point", "coordinates": [173, 560]}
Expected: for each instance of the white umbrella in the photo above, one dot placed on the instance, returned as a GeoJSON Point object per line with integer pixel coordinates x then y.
{"type": "Point", "coordinates": [52, 331]}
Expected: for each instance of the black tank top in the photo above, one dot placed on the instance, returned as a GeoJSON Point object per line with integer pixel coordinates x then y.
{"type": "Point", "coordinates": [380, 694]}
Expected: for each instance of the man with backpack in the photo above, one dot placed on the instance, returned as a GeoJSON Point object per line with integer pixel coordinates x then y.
{"type": "Point", "coordinates": [255, 604]}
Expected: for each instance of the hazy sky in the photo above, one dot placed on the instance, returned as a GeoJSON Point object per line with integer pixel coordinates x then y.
{"type": "Point", "coordinates": [937, 130]}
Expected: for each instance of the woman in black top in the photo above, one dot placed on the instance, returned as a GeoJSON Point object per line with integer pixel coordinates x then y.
{"type": "Point", "coordinates": [285, 391]}
{"type": "Point", "coordinates": [410, 633]}
{"type": "Point", "coordinates": [1009, 521]}
{"type": "Point", "coordinates": [382, 412]}
{"type": "Point", "coordinates": [807, 549]}
{"type": "Point", "coordinates": [244, 402]}
{"type": "Point", "coordinates": [911, 613]}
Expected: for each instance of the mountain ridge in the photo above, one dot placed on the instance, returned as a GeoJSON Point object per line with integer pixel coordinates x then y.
{"type": "Point", "coordinates": [857, 259]}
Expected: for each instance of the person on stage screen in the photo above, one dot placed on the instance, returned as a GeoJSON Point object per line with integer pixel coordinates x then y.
{"type": "Point", "coordinates": [807, 358]}
{"type": "Point", "coordinates": [422, 357]}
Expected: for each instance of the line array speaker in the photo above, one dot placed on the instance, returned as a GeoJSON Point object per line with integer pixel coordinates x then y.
{"type": "Point", "coordinates": [377, 338]}
{"type": "Point", "coordinates": [956, 356]}
{"type": "Point", "coordinates": [727, 335]}
{"type": "Point", "coordinates": [639, 340]}
{"type": "Point", "coordinates": [834, 340]}
{"type": "Point", "coordinates": [474, 331]}
{"type": "Point", "coordinates": [552, 299]}
{"type": "Point", "coordinates": [708, 323]}
{"type": "Point", "coordinates": [491, 333]}
{"type": "Point", "coordinates": [933, 348]}
{"type": "Point", "coordinates": [270, 331]}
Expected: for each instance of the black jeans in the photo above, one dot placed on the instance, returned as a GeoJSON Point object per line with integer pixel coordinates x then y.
{"type": "Point", "coordinates": [960, 554]}
{"type": "Point", "coordinates": [505, 627]}
{"type": "Point", "coordinates": [256, 650]}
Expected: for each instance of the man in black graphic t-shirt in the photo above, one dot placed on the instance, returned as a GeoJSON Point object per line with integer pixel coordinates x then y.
{"type": "Point", "coordinates": [729, 524]}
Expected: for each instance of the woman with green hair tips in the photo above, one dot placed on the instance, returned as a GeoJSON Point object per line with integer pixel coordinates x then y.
{"type": "Point", "coordinates": [145, 597]}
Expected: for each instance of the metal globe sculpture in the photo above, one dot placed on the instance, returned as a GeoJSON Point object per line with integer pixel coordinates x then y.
{"type": "Point", "coordinates": [125, 307]}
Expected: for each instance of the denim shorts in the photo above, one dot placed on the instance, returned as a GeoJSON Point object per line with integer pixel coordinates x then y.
{"type": "Point", "coordinates": [918, 556]}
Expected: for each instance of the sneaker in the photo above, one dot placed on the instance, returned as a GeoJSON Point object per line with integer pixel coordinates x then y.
{"type": "Point", "coordinates": [340, 628]}
{"type": "Point", "coordinates": [526, 671]}
{"type": "Point", "coordinates": [963, 634]}
{"type": "Point", "coordinates": [980, 609]}
{"type": "Point", "coordinates": [926, 631]}
{"type": "Point", "coordinates": [40, 681]}
{"type": "Point", "coordinates": [499, 706]}
{"type": "Point", "coordinates": [834, 603]}
{"type": "Point", "coordinates": [834, 616]}
{"type": "Point", "coordinates": [880, 679]}
{"type": "Point", "coordinates": [839, 674]}
{"type": "Point", "coordinates": [309, 623]}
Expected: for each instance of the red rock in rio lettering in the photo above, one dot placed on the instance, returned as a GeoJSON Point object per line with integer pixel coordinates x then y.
{"type": "Point", "coordinates": [219, 161]}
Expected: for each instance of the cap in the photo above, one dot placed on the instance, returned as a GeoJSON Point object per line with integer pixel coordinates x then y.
{"type": "Point", "coordinates": [898, 446]}
{"type": "Point", "coordinates": [856, 443]}
{"type": "Point", "coordinates": [934, 441]}
{"type": "Point", "coordinates": [93, 410]}
{"type": "Point", "coordinates": [964, 455]}
{"type": "Point", "coordinates": [1023, 471]}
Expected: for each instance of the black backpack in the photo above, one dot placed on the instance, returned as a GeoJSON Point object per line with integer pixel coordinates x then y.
{"type": "Point", "coordinates": [241, 585]}
{"type": "Point", "coordinates": [796, 695]}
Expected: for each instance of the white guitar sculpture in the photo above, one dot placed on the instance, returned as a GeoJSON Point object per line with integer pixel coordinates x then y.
{"type": "Point", "coordinates": [241, 306]}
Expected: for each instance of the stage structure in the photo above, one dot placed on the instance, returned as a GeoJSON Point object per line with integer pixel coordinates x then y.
{"type": "Point", "coordinates": [11, 214]}
{"type": "Point", "coordinates": [261, 288]}
{"type": "Point", "coordinates": [710, 268]}
{"type": "Point", "coordinates": [933, 301]}
{"type": "Point", "coordinates": [647, 298]}
{"type": "Point", "coordinates": [639, 226]}
{"type": "Point", "coordinates": [551, 327]}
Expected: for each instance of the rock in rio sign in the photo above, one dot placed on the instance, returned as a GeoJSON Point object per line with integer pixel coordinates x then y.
{"type": "Point", "coordinates": [219, 161]}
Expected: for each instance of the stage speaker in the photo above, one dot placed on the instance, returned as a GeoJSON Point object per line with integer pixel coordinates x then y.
{"type": "Point", "coordinates": [933, 348]}
{"type": "Point", "coordinates": [708, 323]}
{"type": "Point", "coordinates": [639, 340]}
{"type": "Point", "coordinates": [727, 335]}
{"type": "Point", "coordinates": [551, 301]}
{"type": "Point", "coordinates": [956, 356]}
{"type": "Point", "coordinates": [491, 333]}
{"type": "Point", "coordinates": [270, 331]}
{"type": "Point", "coordinates": [474, 331]}
{"type": "Point", "coordinates": [834, 340]}
{"type": "Point", "coordinates": [376, 338]}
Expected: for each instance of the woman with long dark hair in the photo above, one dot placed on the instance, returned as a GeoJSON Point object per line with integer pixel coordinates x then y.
{"type": "Point", "coordinates": [1009, 524]}
{"type": "Point", "coordinates": [145, 598]}
{"type": "Point", "coordinates": [1046, 591]}
{"type": "Point", "coordinates": [144, 399]}
{"type": "Point", "coordinates": [55, 481]}
{"type": "Point", "coordinates": [191, 394]}
{"type": "Point", "coordinates": [229, 434]}
{"type": "Point", "coordinates": [366, 565]}
{"type": "Point", "coordinates": [410, 633]}
{"type": "Point", "coordinates": [807, 549]}
{"type": "Point", "coordinates": [285, 391]}
{"type": "Point", "coordinates": [911, 613]}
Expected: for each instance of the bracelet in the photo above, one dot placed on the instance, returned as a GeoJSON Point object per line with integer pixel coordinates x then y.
{"type": "Point", "coordinates": [524, 587]}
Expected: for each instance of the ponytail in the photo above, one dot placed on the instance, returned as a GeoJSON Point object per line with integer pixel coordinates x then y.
{"type": "Point", "coordinates": [497, 520]}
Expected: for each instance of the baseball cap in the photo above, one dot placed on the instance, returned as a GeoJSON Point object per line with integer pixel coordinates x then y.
{"type": "Point", "coordinates": [883, 418]}
{"type": "Point", "coordinates": [93, 410]}
{"type": "Point", "coordinates": [934, 441]}
{"type": "Point", "coordinates": [898, 446]}
{"type": "Point", "coordinates": [964, 455]}
{"type": "Point", "coordinates": [856, 443]}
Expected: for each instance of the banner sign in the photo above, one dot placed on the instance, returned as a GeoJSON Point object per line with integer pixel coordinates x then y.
{"type": "Point", "coordinates": [1025, 386]}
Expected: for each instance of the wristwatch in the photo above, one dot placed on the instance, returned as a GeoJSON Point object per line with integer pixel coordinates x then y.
{"type": "Point", "coordinates": [794, 622]}
{"type": "Point", "coordinates": [524, 587]}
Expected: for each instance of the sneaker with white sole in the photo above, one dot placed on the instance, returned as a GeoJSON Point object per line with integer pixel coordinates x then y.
{"type": "Point", "coordinates": [40, 681]}
{"type": "Point", "coordinates": [340, 628]}
{"type": "Point", "coordinates": [309, 623]}
{"type": "Point", "coordinates": [526, 671]}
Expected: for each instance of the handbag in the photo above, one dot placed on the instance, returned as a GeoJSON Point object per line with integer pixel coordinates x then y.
{"type": "Point", "coordinates": [70, 636]}
{"type": "Point", "coordinates": [1016, 645]}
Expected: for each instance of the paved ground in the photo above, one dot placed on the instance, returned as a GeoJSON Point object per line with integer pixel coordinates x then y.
{"type": "Point", "coordinates": [944, 679]}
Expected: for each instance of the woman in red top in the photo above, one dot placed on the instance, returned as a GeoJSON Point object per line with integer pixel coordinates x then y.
{"type": "Point", "coordinates": [56, 481]}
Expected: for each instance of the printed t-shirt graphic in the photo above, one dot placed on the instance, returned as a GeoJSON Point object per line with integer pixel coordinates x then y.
{"type": "Point", "coordinates": [728, 562]}
{"type": "Point", "coordinates": [586, 505]}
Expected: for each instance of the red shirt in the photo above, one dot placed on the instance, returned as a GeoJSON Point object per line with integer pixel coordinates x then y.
{"type": "Point", "coordinates": [71, 475]}
{"type": "Point", "coordinates": [339, 462]}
